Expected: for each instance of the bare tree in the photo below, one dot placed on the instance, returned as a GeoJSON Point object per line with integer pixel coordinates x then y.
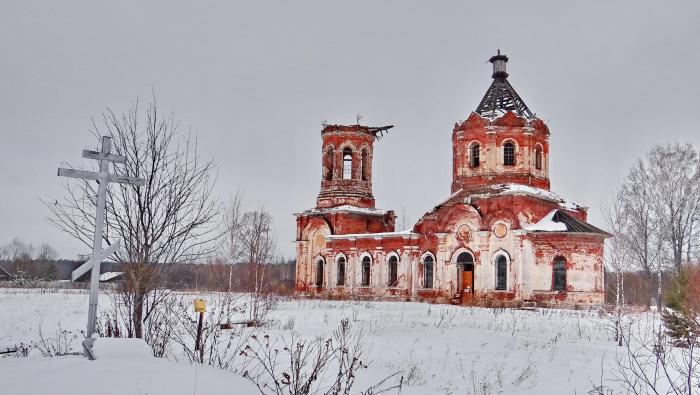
{"type": "Point", "coordinates": [46, 253]}
{"type": "Point", "coordinates": [233, 223]}
{"type": "Point", "coordinates": [661, 200]}
{"type": "Point", "coordinates": [258, 249]}
{"type": "Point", "coordinates": [170, 219]}
{"type": "Point", "coordinates": [20, 253]}
{"type": "Point", "coordinates": [617, 253]}
{"type": "Point", "coordinates": [674, 174]}
{"type": "Point", "coordinates": [641, 228]}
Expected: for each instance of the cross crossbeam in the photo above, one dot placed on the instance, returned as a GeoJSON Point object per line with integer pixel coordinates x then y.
{"type": "Point", "coordinates": [82, 269]}
{"type": "Point", "coordinates": [104, 157]}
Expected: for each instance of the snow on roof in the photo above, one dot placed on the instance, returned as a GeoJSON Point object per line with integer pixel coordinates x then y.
{"type": "Point", "coordinates": [106, 276]}
{"type": "Point", "coordinates": [547, 224]}
{"type": "Point", "coordinates": [559, 220]}
{"type": "Point", "coordinates": [346, 208]}
{"type": "Point", "coordinates": [403, 233]}
{"type": "Point", "coordinates": [516, 189]}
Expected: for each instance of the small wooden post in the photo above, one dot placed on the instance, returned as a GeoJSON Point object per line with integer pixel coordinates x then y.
{"type": "Point", "coordinates": [200, 306]}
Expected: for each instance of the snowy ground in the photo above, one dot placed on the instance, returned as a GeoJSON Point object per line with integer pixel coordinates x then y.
{"type": "Point", "coordinates": [441, 349]}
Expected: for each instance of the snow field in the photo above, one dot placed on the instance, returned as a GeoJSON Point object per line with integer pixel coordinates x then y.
{"type": "Point", "coordinates": [439, 349]}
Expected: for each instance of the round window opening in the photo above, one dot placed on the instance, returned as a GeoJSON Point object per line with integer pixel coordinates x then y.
{"type": "Point", "coordinates": [501, 230]}
{"type": "Point", "coordinates": [464, 233]}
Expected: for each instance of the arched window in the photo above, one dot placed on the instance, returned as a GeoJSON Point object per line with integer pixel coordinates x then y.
{"type": "Point", "coordinates": [319, 273]}
{"type": "Point", "coordinates": [559, 275]}
{"type": "Point", "coordinates": [341, 271]}
{"type": "Point", "coordinates": [474, 156]}
{"type": "Point", "coordinates": [538, 158]}
{"type": "Point", "coordinates": [428, 267]}
{"type": "Point", "coordinates": [509, 154]}
{"type": "Point", "coordinates": [501, 273]}
{"type": "Point", "coordinates": [365, 165]}
{"type": "Point", "coordinates": [393, 271]}
{"type": "Point", "coordinates": [365, 270]}
{"type": "Point", "coordinates": [328, 164]}
{"type": "Point", "coordinates": [347, 164]}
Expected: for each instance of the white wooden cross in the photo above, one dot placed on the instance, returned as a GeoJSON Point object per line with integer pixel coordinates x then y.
{"type": "Point", "coordinates": [103, 178]}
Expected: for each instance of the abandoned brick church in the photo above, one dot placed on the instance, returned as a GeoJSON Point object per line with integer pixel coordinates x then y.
{"type": "Point", "coordinates": [501, 236]}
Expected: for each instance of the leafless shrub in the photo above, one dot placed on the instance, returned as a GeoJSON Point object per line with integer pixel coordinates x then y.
{"type": "Point", "coordinates": [59, 345]}
{"type": "Point", "coordinates": [527, 374]}
{"type": "Point", "coordinates": [298, 367]}
{"type": "Point", "coordinates": [413, 374]}
{"type": "Point", "coordinates": [651, 363]}
{"type": "Point", "coordinates": [446, 318]}
{"type": "Point", "coordinates": [219, 347]}
{"type": "Point", "coordinates": [289, 325]}
{"type": "Point", "coordinates": [56, 346]}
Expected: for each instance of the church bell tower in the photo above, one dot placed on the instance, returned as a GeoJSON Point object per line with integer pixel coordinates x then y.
{"type": "Point", "coordinates": [502, 141]}
{"type": "Point", "coordinates": [347, 153]}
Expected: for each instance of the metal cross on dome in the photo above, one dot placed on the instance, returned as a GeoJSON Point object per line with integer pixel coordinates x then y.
{"type": "Point", "coordinates": [103, 178]}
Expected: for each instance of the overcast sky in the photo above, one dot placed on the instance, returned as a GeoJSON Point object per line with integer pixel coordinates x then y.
{"type": "Point", "coordinates": [256, 80]}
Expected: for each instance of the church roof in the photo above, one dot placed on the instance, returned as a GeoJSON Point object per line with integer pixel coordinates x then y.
{"type": "Point", "coordinates": [558, 220]}
{"type": "Point", "coordinates": [501, 97]}
{"type": "Point", "coordinates": [574, 224]}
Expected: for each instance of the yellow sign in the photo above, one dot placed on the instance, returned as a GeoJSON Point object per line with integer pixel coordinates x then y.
{"type": "Point", "coordinates": [200, 305]}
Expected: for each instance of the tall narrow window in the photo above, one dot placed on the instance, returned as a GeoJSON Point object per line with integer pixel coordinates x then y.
{"type": "Point", "coordinates": [319, 273]}
{"type": "Point", "coordinates": [393, 271]}
{"type": "Point", "coordinates": [428, 267]}
{"type": "Point", "coordinates": [341, 271]}
{"type": "Point", "coordinates": [347, 164]}
{"type": "Point", "coordinates": [501, 273]}
{"type": "Point", "coordinates": [559, 275]}
{"type": "Point", "coordinates": [328, 164]}
{"type": "Point", "coordinates": [538, 158]}
{"type": "Point", "coordinates": [509, 154]}
{"type": "Point", "coordinates": [365, 270]}
{"type": "Point", "coordinates": [474, 156]}
{"type": "Point", "coordinates": [365, 165]}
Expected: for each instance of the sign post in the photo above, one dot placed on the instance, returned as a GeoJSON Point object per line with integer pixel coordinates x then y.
{"type": "Point", "coordinates": [103, 178]}
{"type": "Point", "coordinates": [200, 306]}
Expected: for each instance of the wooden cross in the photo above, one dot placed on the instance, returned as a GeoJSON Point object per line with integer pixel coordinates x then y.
{"type": "Point", "coordinates": [103, 178]}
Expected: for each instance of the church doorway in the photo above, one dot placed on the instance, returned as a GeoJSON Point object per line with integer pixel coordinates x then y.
{"type": "Point", "coordinates": [465, 276]}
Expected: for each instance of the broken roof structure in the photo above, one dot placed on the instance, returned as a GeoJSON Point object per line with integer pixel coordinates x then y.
{"type": "Point", "coordinates": [501, 97]}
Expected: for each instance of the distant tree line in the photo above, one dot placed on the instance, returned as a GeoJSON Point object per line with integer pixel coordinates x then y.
{"type": "Point", "coordinates": [21, 260]}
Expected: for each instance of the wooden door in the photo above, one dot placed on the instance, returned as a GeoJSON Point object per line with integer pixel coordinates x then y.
{"type": "Point", "coordinates": [467, 285]}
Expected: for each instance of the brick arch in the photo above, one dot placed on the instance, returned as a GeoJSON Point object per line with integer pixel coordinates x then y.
{"type": "Point", "coordinates": [314, 224]}
{"type": "Point", "coordinates": [457, 215]}
{"type": "Point", "coordinates": [347, 144]}
{"type": "Point", "coordinates": [459, 251]}
{"type": "Point", "coordinates": [338, 256]}
{"type": "Point", "coordinates": [505, 215]}
{"type": "Point", "coordinates": [510, 140]}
